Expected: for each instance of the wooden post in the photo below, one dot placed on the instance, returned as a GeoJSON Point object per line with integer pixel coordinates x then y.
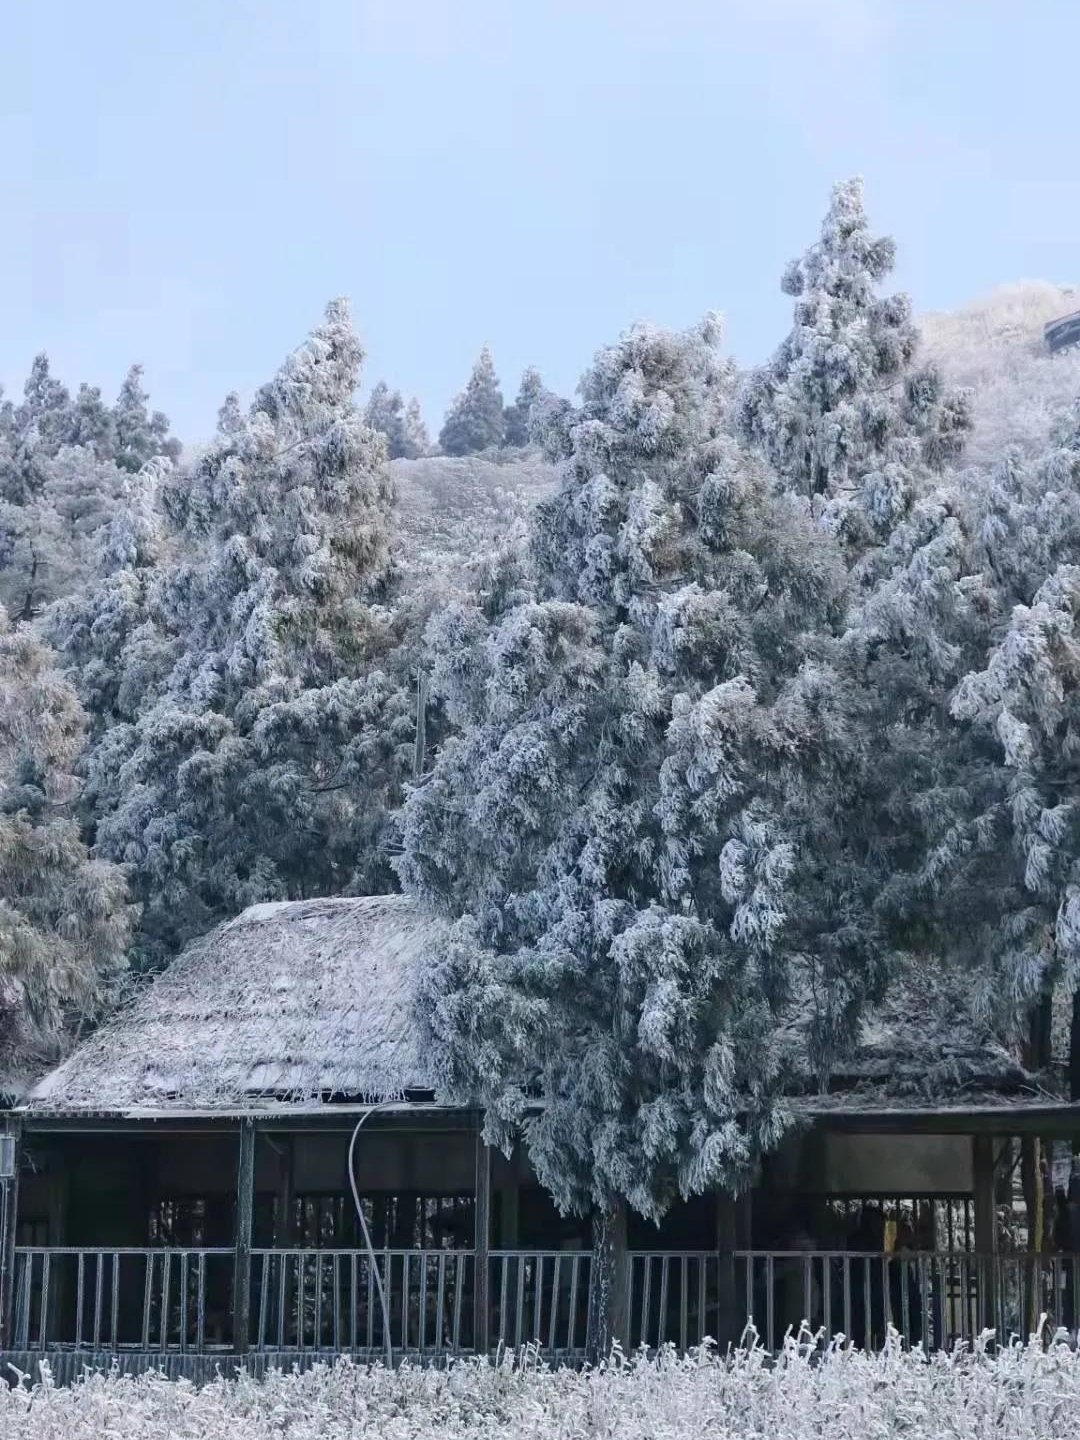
{"type": "Point", "coordinates": [9, 1209]}
{"type": "Point", "coordinates": [985, 1228]}
{"type": "Point", "coordinates": [481, 1274]}
{"type": "Point", "coordinates": [609, 1319]}
{"type": "Point", "coordinates": [283, 1198]}
{"type": "Point", "coordinates": [245, 1206]}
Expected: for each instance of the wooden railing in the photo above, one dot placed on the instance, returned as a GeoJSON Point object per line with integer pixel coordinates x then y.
{"type": "Point", "coordinates": [181, 1300]}
{"type": "Point", "coordinates": [540, 1296]}
{"type": "Point", "coordinates": [931, 1298]}
{"type": "Point", "coordinates": [117, 1299]}
{"type": "Point", "coordinates": [300, 1300]}
{"type": "Point", "coordinates": [329, 1300]}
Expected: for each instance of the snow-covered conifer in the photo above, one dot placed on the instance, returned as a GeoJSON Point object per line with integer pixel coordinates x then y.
{"type": "Point", "coordinates": [417, 442]}
{"type": "Point", "coordinates": [64, 918]}
{"type": "Point", "coordinates": [475, 420]}
{"type": "Point", "coordinates": [385, 413]}
{"type": "Point", "coordinates": [607, 826]}
{"type": "Point", "coordinates": [518, 415]}
{"type": "Point", "coordinates": [260, 765]}
{"type": "Point", "coordinates": [842, 410]}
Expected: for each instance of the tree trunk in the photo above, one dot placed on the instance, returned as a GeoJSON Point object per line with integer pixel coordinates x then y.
{"type": "Point", "coordinates": [1074, 1056]}
{"type": "Point", "coordinates": [1032, 1161]}
{"type": "Point", "coordinates": [608, 1319]}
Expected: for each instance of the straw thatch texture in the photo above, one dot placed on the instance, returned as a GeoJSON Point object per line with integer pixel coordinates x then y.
{"type": "Point", "coordinates": [288, 1002]}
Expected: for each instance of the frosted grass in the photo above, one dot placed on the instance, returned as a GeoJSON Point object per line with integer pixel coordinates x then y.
{"type": "Point", "coordinates": [1023, 1393]}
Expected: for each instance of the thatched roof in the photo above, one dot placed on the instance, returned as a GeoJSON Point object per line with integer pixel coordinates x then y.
{"type": "Point", "coordinates": [291, 1002]}
{"type": "Point", "coordinates": [305, 1002]}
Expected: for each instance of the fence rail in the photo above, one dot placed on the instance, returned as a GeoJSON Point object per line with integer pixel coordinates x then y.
{"type": "Point", "coordinates": [329, 1300]}
{"type": "Point", "coordinates": [932, 1298]}
{"type": "Point", "coordinates": [145, 1299]}
{"type": "Point", "coordinates": [180, 1300]}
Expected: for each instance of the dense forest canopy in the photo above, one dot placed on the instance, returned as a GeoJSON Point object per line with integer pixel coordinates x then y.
{"type": "Point", "coordinates": [713, 707]}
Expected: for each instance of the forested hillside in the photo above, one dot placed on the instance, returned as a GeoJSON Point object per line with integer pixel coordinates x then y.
{"type": "Point", "coordinates": [995, 346]}
{"type": "Point", "coordinates": [716, 708]}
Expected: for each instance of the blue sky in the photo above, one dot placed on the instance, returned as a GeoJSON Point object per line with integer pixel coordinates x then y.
{"type": "Point", "coordinates": [186, 183]}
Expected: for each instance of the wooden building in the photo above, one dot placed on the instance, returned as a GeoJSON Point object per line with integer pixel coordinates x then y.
{"type": "Point", "coordinates": [179, 1192]}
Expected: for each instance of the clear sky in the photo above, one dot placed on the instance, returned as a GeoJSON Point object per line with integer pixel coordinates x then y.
{"type": "Point", "coordinates": [186, 182]}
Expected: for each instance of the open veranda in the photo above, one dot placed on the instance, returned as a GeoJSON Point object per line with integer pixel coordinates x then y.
{"type": "Point", "coordinates": [1023, 1392]}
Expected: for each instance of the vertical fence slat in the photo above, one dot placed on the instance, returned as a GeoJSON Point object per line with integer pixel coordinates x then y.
{"type": "Point", "coordinates": [114, 1317]}
{"type": "Point", "coordinates": [661, 1318]}
{"type": "Point", "coordinates": [148, 1295]}
{"type": "Point", "coordinates": [184, 1272]}
{"type": "Point", "coordinates": [440, 1300]}
{"type": "Point", "coordinates": [200, 1301]}
{"type": "Point", "coordinates": [43, 1328]}
{"type": "Point", "coordinates": [80, 1288]}
{"type": "Point", "coordinates": [166, 1268]}
{"type": "Point", "coordinates": [574, 1281]}
{"type": "Point", "coordinates": [354, 1295]}
{"type": "Point", "coordinates": [460, 1264]}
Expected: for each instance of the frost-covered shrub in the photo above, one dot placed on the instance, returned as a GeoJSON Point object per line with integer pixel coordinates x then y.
{"type": "Point", "coordinates": [1025, 1393]}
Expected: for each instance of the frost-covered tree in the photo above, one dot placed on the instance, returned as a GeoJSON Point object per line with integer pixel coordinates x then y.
{"type": "Point", "coordinates": [140, 435]}
{"type": "Point", "coordinates": [842, 411]}
{"type": "Point", "coordinates": [385, 413]}
{"type": "Point", "coordinates": [518, 416]}
{"type": "Point", "coordinates": [417, 440]}
{"type": "Point", "coordinates": [62, 466]}
{"type": "Point", "coordinates": [64, 918]}
{"type": "Point", "coordinates": [606, 829]}
{"type": "Point", "coordinates": [104, 631]}
{"type": "Point", "coordinates": [475, 420]}
{"type": "Point", "coordinates": [260, 765]}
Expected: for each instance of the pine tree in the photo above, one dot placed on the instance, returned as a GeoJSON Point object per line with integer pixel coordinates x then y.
{"type": "Point", "coordinates": [140, 435]}
{"type": "Point", "coordinates": [841, 410]}
{"type": "Point", "coordinates": [385, 413]}
{"type": "Point", "coordinates": [518, 415]}
{"type": "Point", "coordinates": [64, 918]}
{"type": "Point", "coordinates": [262, 763]}
{"type": "Point", "coordinates": [62, 469]}
{"type": "Point", "coordinates": [606, 827]}
{"type": "Point", "coordinates": [475, 420]}
{"type": "Point", "coordinates": [417, 440]}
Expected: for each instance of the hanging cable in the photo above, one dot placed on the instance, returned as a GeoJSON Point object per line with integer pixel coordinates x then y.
{"type": "Point", "coordinates": [367, 1236]}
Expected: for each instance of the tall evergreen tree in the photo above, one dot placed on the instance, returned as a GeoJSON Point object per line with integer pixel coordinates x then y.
{"type": "Point", "coordinates": [475, 420]}
{"type": "Point", "coordinates": [518, 415]}
{"type": "Point", "coordinates": [62, 467]}
{"type": "Point", "coordinates": [141, 436]}
{"type": "Point", "coordinates": [417, 441]}
{"type": "Point", "coordinates": [841, 410]}
{"type": "Point", "coordinates": [606, 828]}
{"type": "Point", "coordinates": [385, 413]}
{"type": "Point", "coordinates": [262, 763]}
{"type": "Point", "coordinates": [64, 918]}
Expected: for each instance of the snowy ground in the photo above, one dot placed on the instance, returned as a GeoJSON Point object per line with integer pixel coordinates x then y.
{"type": "Point", "coordinates": [1023, 1395]}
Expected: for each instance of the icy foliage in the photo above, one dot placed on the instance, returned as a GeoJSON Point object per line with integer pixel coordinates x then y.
{"type": "Point", "coordinates": [474, 421]}
{"type": "Point", "coordinates": [841, 410]}
{"type": "Point", "coordinates": [1022, 1393]}
{"type": "Point", "coordinates": [403, 429]}
{"type": "Point", "coordinates": [607, 824]}
{"type": "Point", "coordinates": [63, 462]}
{"type": "Point", "coordinates": [995, 348]}
{"type": "Point", "coordinates": [256, 737]}
{"type": "Point", "coordinates": [518, 417]}
{"type": "Point", "coordinates": [452, 511]}
{"type": "Point", "coordinates": [64, 918]}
